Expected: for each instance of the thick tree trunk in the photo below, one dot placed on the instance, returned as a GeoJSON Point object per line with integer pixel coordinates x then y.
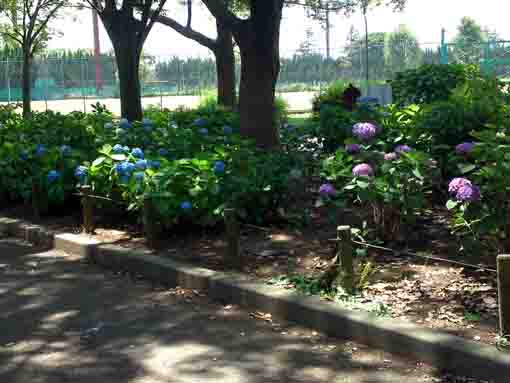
{"type": "Point", "coordinates": [260, 66]}
{"type": "Point", "coordinates": [27, 85]}
{"type": "Point", "coordinates": [225, 68]}
{"type": "Point", "coordinates": [127, 42]}
{"type": "Point", "coordinates": [128, 63]}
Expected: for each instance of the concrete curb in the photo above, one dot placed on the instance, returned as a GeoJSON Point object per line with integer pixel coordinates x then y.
{"type": "Point", "coordinates": [446, 352]}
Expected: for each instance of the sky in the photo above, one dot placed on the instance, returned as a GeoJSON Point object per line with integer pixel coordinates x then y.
{"type": "Point", "coordinates": [424, 17]}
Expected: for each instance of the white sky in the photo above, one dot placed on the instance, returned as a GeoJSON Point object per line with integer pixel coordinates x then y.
{"type": "Point", "coordinates": [424, 17]}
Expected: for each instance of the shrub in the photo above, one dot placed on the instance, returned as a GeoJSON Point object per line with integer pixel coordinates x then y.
{"type": "Point", "coordinates": [430, 83]}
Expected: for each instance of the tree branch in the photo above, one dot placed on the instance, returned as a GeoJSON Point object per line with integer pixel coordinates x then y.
{"type": "Point", "coordinates": [221, 12]}
{"type": "Point", "coordinates": [187, 32]}
{"type": "Point", "coordinates": [190, 12]}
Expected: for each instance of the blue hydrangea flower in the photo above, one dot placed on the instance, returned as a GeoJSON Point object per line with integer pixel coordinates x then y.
{"type": "Point", "coordinates": [40, 150]}
{"type": "Point", "coordinates": [81, 172]}
{"type": "Point", "coordinates": [141, 164]}
{"type": "Point", "coordinates": [227, 130]}
{"type": "Point", "coordinates": [65, 150]}
{"type": "Point", "coordinates": [53, 175]}
{"type": "Point", "coordinates": [137, 153]}
{"type": "Point", "coordinates": [125, 168]}
{"type": "Point", "coordinates": [108, 125]}
{"type": "Point", "coordinates": [163, 152]}
{"type": "Point", "coordinates": [219, 167]}
{"type": "Point", "coordinates": [186, 205]}
{"type": "Point", "coordinates": [153, 164]}
{"type": "Point", "coordinates": [118, 149]}
{"type": "Point", "coordinates": [203, 131]}
{"type": "Point", "coordinates": [139, 176]}
{"type": "Point", "coordinates": [23, 155]}
{"type": "Point", "coordinates": [126, 149]}
{"type": "Point", "coordinates": [124, 123]}
{"type": "Point", "coordinates": [200, 122]}
{"type": "Point", "coordinates": [147, 124]}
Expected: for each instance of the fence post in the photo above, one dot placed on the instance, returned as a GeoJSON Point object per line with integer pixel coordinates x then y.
{"type": "Point", "coordinates": [345, 257]}
{"type": "Point", "coordinates": [149, 221]}
{"type": "Point", "coordinates": [36, 200]}
{"type": "Point", "coordinates": [88, 209]}
{"type": "Point", "coordinates": [233, 257]}
{"type": "Point", "coordinates": [504, 293]}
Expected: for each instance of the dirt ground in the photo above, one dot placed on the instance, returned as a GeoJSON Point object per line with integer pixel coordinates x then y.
{"type": "Point", "coordinates": [66, 321]}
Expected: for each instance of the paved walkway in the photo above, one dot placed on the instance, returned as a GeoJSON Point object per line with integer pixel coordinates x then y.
{"type": "Point", "coordinates": [62, 320]}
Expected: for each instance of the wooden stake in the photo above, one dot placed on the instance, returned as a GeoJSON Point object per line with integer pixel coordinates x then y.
{"type": "Point", "coordinates": [233, 257]}
{"type": "Point", "coordinates": [88, 209]}
{"type": "Point", "coordinates": [149, 221]}
{"type": "Point", "coordinates": [504, 294]}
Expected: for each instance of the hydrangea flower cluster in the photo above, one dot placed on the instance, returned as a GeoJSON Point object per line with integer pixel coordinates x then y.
{"type": "Point", "coordinates": [137, 153]}
{"type": "Point", "coordinates": [153, 164]}
{"type": "Point", "coordinates": [186, 206]}
{"type": "Point", "coordinates": [362, 170]}
{"type": "Point", "coordinates": [119, 149]}
{"type": "Point", "coordinates": [364, 131]}
{"type": "Point", "coordinates": [108, 126]}
{"type": "Point", "coordinates": [464, 190]}
{"type": "Point", "coordinates": [147, 124]}
{"type": "Point", "coordinates": [163, 152]}
{"type": "Point", "coordinates": [227, 130]}
{"type": "Point", "coordinates": [327, 190]}
{"type": "Point", "coordinates": [24, 155]}
{"type": "Point", "coordinates": [203, 131]}
{"type": "Point", "coordinates": [125, 169]}
{"type": "Point", "coordinates": [139, 176]}
{"type": "Point", "coordinates": [65, 150]}
{"type": "Point", "coordinates": [403, 149]}
{"type": "Point", "coordinates": [141, 164]}
{"type": "Point", "coordinates": [81, 173]}
{"type": "Point", "coordinates": [53, 175]}
{"type": "Point", "coordinates": [124, 123]}
{"type": "Point", "coordinates": [219, 167]}
{"type": "Point", "coordinates": [352, 148]}
{"type": "Point", "coordinates": [200, 122]}
{"type": "Point", "coordinates": [391, 156]}
{"type": "Point", "coordinates": [464, 148]}
{"type": "Point", "coordinates": [40, 150]}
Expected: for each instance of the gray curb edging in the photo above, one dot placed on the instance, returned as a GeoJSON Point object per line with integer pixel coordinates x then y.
{"type": "Point", "coordinates": [445, 352]}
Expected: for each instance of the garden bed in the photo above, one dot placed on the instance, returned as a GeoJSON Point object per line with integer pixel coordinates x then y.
{"type": "Point", "coordinates": [439, 295]}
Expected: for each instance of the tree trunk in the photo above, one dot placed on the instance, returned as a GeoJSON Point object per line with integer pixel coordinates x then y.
{"type": "Point", "coordinates": [259, 43]}
{"type": "Point", "coordinates": [27, 85]}
{"type": "Point", "coordinates": [225, 68]}
{"type": "Point", "coordinates": [127, 41]}
{"type": "Point", "coordinates": [128, 63]}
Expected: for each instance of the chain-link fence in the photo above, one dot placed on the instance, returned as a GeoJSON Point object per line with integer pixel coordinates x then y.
{"type": "Point", "coordinates": [67, 84]}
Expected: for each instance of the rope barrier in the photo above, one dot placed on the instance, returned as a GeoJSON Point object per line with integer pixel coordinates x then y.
{"type": "Point", "coordinates": [428, 257]}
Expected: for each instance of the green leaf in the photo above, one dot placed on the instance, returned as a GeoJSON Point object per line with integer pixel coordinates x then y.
{"type": "Point", "coordinates": [98, 161]}
{"type": "Point", "coordinates": [118, 157]}
{"type": "Point", "coordinates": [363, 184]}
{"type": "Point", "coordinates": [466, 168]}
{"type": "Point", "coordinates": [451, 204]}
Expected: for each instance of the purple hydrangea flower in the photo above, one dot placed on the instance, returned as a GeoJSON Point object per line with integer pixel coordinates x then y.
{"type": "Point", "coordinates": [391, 156]}
{"type": "Point", "coordinates": [403, 149]}
{"type": "Point", "coordinates": [362, 170]}
{"type": "Point", "coordinates": [365, 131]}
{"type": "Point", "coordinates": [464, 148]}
{"type": "Point", "coordinates": [468, 193]}
{"type": "Point", "coordinates": [352, 148]}
{"type": "Point", "coordinates": [456, 184]}
{"type": "Point", "coordinates": [327, 190]}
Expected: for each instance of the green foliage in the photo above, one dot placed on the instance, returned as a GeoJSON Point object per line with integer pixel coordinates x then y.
{"type": "Point", "coordinates": [430, 83]}
{"type": "Point", "coordinates": [332, 96]}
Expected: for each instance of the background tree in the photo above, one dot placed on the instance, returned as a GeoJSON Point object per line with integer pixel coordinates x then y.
{"type": "Point", "coordinates": [27, 24]}
{"type": "Point", "coordinates": [128, 23]}
{"type": "Point", "coordinates": [469, 42]}
{"type": "Point", "coordinates": [402, 50]}
{"type": "Point", "coordinates": [222, 47]}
